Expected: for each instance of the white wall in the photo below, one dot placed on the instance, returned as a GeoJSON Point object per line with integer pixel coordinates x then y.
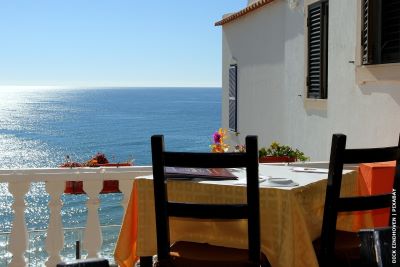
{"type": "Point", "coordinates": [269, 47]}
{"type": "Point", "coordinates": [260, 63]}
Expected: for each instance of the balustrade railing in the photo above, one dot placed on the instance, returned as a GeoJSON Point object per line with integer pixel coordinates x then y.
{"type": "Point", "coordinates": [16, 242]}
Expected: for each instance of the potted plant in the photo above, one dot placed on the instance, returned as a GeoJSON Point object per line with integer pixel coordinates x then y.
{"type": "Point", "coordinates": [280, 153]}
{"type": "Point", "coordinates": [98, 160]}
{"type": "Point", "coordinates": [219, 145]}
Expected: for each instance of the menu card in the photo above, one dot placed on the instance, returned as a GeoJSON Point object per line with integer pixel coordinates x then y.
{"type": "Point", "coordinates": [203, 173]}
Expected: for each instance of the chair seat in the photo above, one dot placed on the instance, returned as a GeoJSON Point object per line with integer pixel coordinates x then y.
{"type": "Point", "coordinates": [191, 254]}
{"type": "Point", "coordinates": [347, 248]}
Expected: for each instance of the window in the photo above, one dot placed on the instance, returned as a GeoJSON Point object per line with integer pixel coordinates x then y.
{"type": "Point", "coordinates": [233, 98]}
{"type": "Point", "coordinates": [317, 57]}
{"type": "Point", "coordinates": [380, 31]}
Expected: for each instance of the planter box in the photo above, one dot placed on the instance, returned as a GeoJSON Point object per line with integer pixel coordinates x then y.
{"type": "Point", "coordinates": [76, 187]}
{"type": "Point", "coordinates": [125, 164]}
{"type": "Point", "coordinates": [109, 186]}
{"type": "Point", "coordinates": [273, 159]}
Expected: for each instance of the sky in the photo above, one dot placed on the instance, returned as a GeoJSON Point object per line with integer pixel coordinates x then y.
{"type": "Point", "coordinates": [112, 42]}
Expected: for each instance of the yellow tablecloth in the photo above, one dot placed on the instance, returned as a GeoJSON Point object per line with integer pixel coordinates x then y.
{"type": "Point", "coordinates": [291, 218]}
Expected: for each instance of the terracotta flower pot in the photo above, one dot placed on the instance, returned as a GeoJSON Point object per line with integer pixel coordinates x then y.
{"type": "Point", "coordinates": [272, 159]}
{"type": "Point", "coordinates": [109, 186]}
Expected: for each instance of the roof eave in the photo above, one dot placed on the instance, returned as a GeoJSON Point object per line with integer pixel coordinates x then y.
{"type": "Point", "coordinates": [243, 12]}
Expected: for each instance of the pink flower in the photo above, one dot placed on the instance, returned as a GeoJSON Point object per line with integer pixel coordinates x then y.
{"type": "Point", "coordinates": [218, 145]}
{"type": "Point", "coordinates": [217, 138]}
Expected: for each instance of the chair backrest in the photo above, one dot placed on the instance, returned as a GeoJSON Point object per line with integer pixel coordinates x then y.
{"type": "Point", "coordinates": [165, 209]}
{"type": "Point", "coordinates": [335, 204]}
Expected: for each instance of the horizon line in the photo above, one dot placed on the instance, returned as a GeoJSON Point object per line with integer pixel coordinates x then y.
{"type": "Point", "coordinates": [100, 87]}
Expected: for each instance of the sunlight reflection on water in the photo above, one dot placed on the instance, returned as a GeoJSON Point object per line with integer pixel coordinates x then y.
{"type": "Point", "coordinates": [38, 128]}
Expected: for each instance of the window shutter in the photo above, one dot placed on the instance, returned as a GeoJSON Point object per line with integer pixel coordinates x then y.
{"type": "Point", "coordinates": [317, 23]}
{"type": "Point", "coordinates": [233, 98]}
{"type": "Point", "coordinates": [366, 36]}
{"type": "Point", "coordinates": [371, 33]}
{"type": "Point", "coordinates": [390, 40]}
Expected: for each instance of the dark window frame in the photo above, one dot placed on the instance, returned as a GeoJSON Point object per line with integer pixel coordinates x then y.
{"type": "Point", "coordinates": [317, 49]}
{"type": "Point", "coordinates": [232, 98]}
{"type": "Point", "coordinates": [380, 34]}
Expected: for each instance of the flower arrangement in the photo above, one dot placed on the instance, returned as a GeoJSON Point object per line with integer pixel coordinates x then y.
{"type": "Point", "coordinates": [278, 150]}
{"type": "Point", "coordinates": [99, 158]}
{"type": "Point", "coordinates": [70, 164]}
{"type": "Point", "coordinates": [219, 145]}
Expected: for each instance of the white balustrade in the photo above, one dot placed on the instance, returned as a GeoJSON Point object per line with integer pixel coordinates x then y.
{"type": "Point", "coordinates": [18, 237]}
{"type": "Point", "coordinates": [92, 236]}
{"type": "Point", "coordinates": [55, 237]}
{"type": "Point", "coordinates": [19, 182]}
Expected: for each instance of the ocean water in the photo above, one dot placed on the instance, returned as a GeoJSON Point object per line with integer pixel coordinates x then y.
{"type": "Point", "coordinates": [40, 127]}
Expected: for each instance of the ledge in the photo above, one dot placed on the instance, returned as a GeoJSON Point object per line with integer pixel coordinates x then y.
{"type": "Point", "coordinates": [378, 73]}
{"type": "Point", "coordinates": [315, 103]}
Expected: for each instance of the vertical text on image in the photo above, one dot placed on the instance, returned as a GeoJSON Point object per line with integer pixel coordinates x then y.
{"type": "Point", "coordinates": [394, 226]}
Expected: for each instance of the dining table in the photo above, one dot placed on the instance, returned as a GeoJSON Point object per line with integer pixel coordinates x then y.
{"type": "Point", "coordinates": [291, 210]}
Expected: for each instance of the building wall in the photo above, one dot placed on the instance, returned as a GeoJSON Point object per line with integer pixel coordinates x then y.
{"type": "Point", "coordinates": [269, 48]}
{"type": "Point", "coordinates": [259, 55]}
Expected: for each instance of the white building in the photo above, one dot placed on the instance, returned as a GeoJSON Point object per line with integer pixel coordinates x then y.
{"type": "Point", "coordinates": [299, 90]}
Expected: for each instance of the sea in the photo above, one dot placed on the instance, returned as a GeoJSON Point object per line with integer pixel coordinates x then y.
{"type": "Point", "coordinates": [41, 127]}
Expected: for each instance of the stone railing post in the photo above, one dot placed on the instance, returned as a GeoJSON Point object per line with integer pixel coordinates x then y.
{"type": "Point", "coordinates": [19, 235]}
{"type": "Point", "coordinates": [92, 236]}
{"type": "Point", "coordinates": [55, 232]}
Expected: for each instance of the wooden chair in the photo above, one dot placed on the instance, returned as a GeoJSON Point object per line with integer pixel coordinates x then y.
{"type": "Point", "coordinates": [190, 254]}
{"type": "Point", "coordinates": [376, 246]}
{"type": "Point", "coordinates": [340, 248]}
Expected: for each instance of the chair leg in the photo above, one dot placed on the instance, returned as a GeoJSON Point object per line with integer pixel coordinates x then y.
{"type": "Point", "coordinates": [146, 261]}
{"type": "Point", "coordinates": [264, 261]}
